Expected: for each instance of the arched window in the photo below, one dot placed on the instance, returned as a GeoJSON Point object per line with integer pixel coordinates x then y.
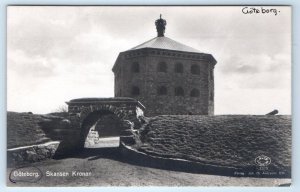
{"type": "Point", "coordinates": [135, 90]}
{"type": "Point", "coordinates": [179, 91]}
{"type": "Point", "coordinates": [135, 67]}
{"type": "Point", "coordinates": [162, 90]}
{"type": "Point", "coordinates": [195, 93]}
{"type": "Point", "coordinates": [195, 69]}
{"type": "Point", "coordinates": [178, 68]}
{"type": "Point", "coordinates": [162, 67]}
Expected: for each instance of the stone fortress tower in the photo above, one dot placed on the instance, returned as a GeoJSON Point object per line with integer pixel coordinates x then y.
{"type": "Point", "coordinates": [167, 77]}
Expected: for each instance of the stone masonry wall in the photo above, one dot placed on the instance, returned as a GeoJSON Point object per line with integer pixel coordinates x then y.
{"type": "Point", "coordinates": [211, 93]}
{"type": "Point", "coordinates": [148, 80]}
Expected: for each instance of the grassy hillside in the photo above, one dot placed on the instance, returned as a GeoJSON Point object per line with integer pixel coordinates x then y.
{"type": "Point", "coordinates": [24, 129]}
{"type": "Point", "coordinates": [28, 129]}
{"type": "Point", "coordinates": [230, 140]}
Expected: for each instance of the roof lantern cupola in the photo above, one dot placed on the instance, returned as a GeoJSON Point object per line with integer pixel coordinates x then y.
{"type": "Point", "coordinates": [160, 26]}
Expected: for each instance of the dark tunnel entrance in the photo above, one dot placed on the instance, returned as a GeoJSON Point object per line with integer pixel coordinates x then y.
{"type": "Point", "coordinates": [101, 129]}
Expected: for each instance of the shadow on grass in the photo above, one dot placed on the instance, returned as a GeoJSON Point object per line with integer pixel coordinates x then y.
{"type": "Point", "coordinates": [92, 154]}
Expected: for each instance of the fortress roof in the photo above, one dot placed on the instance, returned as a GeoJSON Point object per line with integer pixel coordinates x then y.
{"type": "Point", "coordinates": [162, 42]}
{"type": "Point", "coordinates": [165, 43]}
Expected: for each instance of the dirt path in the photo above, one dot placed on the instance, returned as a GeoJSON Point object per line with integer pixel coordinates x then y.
{"type": "Point", "coordinates": [108, 169]}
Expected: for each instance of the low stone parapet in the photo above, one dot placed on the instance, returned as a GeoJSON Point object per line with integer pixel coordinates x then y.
{"type": "Point", "coordinates": [33, 153]}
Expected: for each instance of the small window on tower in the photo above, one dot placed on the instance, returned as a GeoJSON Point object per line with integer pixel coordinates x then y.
{"type": "Point", "coordinates": [195, 93]}
{"type": "Point", "coordinates": [178, 68]}
{"type": "Point", "coordinates": [162, 67]}
{"type": "Point", "coordinates": [179, 91]}
{"type": "Point", "coordinates": [135, 67]}
{"type": "Point", "coordinates": [162, 90]}
{"type": "Point", "coordinates": [195, 69]}
{"type": "Point", "coordinates": [135, 91]}
{"type": "Point", "coordinates": [211, 95]}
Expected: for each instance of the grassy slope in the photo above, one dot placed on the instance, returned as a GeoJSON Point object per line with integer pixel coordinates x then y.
{"type": "Point", "coordinates": [222, 140]}
{"type": "Point", "coordinates": [24, 129]}
{"type": "Point", "coordinates": [232, 140]}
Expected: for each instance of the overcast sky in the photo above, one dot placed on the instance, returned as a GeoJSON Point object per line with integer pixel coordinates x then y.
{"type": "Point", "coordinates": [55, 54]}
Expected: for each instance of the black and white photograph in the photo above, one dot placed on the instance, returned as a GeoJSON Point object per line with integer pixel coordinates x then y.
{"type": "Point", "coordinates": [149, 96]}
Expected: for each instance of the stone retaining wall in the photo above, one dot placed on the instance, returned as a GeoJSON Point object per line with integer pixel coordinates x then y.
{"type": "Point", "coordinates": [29, 154]}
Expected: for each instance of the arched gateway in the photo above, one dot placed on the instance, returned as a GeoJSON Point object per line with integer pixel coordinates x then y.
{"type": "Point", "coordinates": [85, 112]}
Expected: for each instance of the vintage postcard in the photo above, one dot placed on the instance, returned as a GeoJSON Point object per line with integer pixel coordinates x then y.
{"type": "Point", "coordinates": [149, 96]}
